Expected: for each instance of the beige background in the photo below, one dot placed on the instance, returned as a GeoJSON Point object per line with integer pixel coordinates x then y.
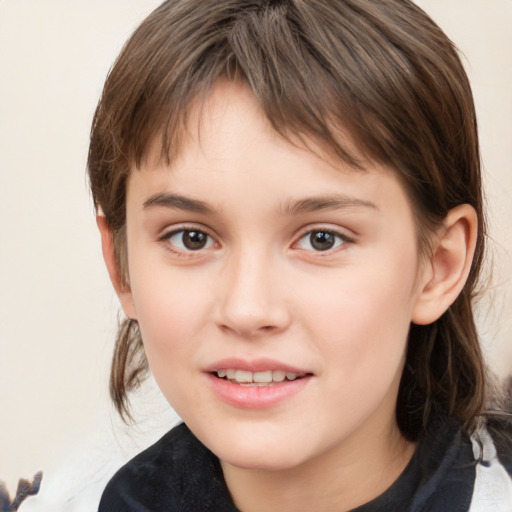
{"type": "Point", "coordinates": [57, 311]}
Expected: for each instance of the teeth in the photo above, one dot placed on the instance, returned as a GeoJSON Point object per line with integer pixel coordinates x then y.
{"type": "Point", "coordinates": [243, 376]}
{"type": "Point", "coordinates": [262, 376]}
{"type": "Point", "coordinates": [266, 377]}
{"type": "Point", "coordinates": [278, 375]}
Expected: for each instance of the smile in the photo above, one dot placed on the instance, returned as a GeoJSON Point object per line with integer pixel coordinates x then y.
{"type": "Point", "coordinates": [256, 384]}
{"type": "Point", "coordinates": [262, 378]}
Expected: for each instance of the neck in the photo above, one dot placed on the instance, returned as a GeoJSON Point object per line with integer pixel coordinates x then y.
{"type": "Point", "coordinates": [353, 473]}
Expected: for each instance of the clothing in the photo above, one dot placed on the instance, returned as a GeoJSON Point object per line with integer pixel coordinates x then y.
{"type": "Point", "coordinates": [179, 474]}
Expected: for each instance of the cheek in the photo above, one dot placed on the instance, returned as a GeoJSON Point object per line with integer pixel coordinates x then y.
{"type": "Point", "coordinates": [170, 324]}
{"type": "Point", "coordinates": [171, 312]}
{"type": "Point", "coordinates": [363, 333]}
{"type": "Point", "coordinates": [362, 341]}
{"type": "Point", "coordinates": [361, 324]}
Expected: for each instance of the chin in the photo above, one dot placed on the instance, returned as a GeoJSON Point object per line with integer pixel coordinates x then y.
{"type": "Point", "coordinates": [262, 461]}
{"type": "Point", "coordinates": [274, 454]}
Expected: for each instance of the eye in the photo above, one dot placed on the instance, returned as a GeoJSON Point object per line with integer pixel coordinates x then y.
{"type": "Point", "coordinates": [187, 240]}
{"type": "Point", "coordinates": [321, 241]}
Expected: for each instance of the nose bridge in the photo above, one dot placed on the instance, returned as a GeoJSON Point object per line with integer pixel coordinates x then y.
{"type": "Point", "coordinates": [251, 299]}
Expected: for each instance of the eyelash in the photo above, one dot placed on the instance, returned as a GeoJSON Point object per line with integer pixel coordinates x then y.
{"type": "Point", "coordinates": [184, 251]}
{"type": "Point", "coordinates": [338, 240]}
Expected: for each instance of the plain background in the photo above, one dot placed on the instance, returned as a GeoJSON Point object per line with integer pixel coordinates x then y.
{"type": "Point", "coordinates": [57, 310]}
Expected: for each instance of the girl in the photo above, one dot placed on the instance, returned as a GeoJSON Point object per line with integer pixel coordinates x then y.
{"type": "Point", "coordinates": [290, 205]}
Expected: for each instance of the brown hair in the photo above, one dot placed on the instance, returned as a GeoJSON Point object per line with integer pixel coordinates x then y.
{"type": "Point", "coordinates": [380, 69]}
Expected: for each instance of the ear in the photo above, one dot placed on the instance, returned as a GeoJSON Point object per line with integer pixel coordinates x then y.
{"type": "Point", "coordinates": [122, 288]}
{"type": "Point", "coordinates": [446, 270]}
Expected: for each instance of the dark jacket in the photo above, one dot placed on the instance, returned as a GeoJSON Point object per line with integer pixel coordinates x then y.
{"type": "Point", "coordinates": [179, 474]}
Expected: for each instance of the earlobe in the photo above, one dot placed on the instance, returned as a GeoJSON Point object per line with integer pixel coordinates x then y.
{"type": "Point", "coordinates": [447, 269]}
{"type": "Point", "coordinates": [121, 288]}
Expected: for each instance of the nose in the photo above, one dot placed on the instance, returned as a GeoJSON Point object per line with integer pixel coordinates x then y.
{"type": "Point", "coordinates": [251, 302]}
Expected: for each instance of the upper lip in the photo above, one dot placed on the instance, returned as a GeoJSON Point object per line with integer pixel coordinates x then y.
{"type": "Point", "coordinates": [253, 365]}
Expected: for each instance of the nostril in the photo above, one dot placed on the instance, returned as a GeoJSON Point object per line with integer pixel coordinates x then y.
{"type": "Point", "coordinates": [247, 330]}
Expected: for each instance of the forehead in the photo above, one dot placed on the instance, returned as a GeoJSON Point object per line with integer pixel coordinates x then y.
{"type": "Point", "coordinates": [215, 107]}
{"type": "Point", "coordinates": [230, 148]}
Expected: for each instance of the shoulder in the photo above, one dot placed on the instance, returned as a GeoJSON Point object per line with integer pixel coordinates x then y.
{"type": "Point", "coordinates": [142, 478]}
{"type": "Point", "coordinates": [177, 473]}
{"type": "Point", "coordinates": [458, 472]}
{"type": "Point", "coordinates": [492, 450]}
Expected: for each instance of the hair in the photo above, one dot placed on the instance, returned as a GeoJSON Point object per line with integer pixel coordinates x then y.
{"type": "Point", "coordinates": [379, 70]}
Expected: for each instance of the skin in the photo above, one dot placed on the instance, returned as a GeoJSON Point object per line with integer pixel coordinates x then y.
{"type": "Point", "coordinates": [259, 288]}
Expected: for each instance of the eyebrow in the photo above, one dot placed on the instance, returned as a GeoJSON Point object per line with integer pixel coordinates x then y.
{"type": "Point", "coordinates": [178, 202]}
{"type": "Point", "coordinates": [313, 204]}
{"type": "Point", "coordinates": [297, 207]}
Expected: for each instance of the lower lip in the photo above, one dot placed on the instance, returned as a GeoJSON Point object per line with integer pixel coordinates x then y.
{"type": "Point", "coordinates": [256, 397]}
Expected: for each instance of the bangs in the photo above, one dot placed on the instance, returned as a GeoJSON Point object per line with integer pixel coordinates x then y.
{"type": "Point", "coordinates": [262, 49]}
{"type": "Point", "coordinates": [355, 77]}
{"type": "Point", "coordinates": [310, 74]}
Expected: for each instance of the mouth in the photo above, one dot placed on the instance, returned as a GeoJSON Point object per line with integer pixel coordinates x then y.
{"type": "Point", "coordinates": [256, 384]}
{"type": "Point", "coordinates": [257, 379]}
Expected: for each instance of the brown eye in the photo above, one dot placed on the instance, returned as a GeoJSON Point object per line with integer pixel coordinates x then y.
{"type": "Point", "coordinates": [190, 240]}
{"type": "Point", "coordinates": [321, 241]}
{"type": "Point", "coordinates": [194, 240]}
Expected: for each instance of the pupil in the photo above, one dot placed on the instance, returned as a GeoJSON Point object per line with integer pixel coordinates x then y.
{"type": "Point", "coordinates": [194, 240]}
{"type": "Point", "coordinates": [322, 240]}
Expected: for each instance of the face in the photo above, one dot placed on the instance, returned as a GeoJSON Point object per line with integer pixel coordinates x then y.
{"type": "Point", "coordinates": [273, 288]}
